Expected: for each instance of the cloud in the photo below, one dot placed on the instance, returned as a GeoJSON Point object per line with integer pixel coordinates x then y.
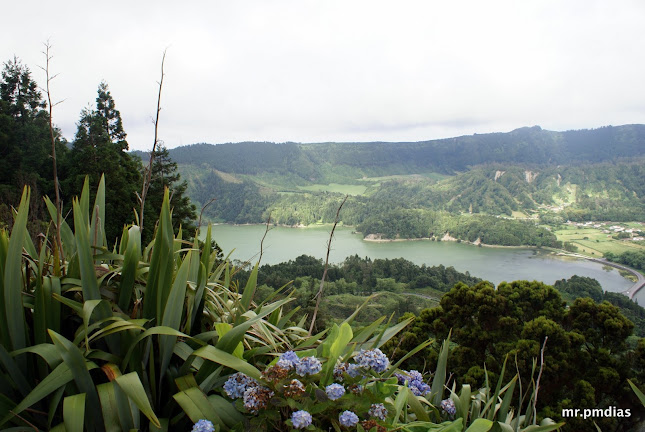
{"type": "Point", "coordinates": [335, 70]}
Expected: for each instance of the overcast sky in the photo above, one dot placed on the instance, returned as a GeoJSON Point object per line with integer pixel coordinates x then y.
{"type": "Point", "coordinates": [327, 70]}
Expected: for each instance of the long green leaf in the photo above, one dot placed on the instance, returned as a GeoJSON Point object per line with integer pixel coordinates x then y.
{"type": "Point", "coordinates": [158, 330]}
{"type": "Point", "coordinates": [231, 339]}
{"type": "Point", "coordinates": [109, 407]}
{"type": "Point", "coordinates": [130, 265]}
{"type": "Point", "coordinates": [97, 223]}
{"type": "Point", "coordinates": [637, 392]}
{"type": "Point", "coordinates": [197, 406]}
{"type": "Point", "coordinates": [131, 385]}
{"type": "Point", "coordinates": [74, 412]}
{"type": "Point", "coordinates": [218, 356]}
{"type": "Point", "coordinates": [73, 357]}
{"type": "Point", "coordinates": [249, 289]}
{"type": "Point", "coordinates": [55, 380]}
{"type": "Point", "coordinates": [86, 261]}
{"type": "Point", "coordinates": [13, 334]}
{"type": "Point", "coordinates": [161, 265]}
{"type": "Point", "coordinates": [439, 380]}
{"type": "Point", "coordinates": [173, 311]}
{"type": "Point", "coordinates": [480, 425]}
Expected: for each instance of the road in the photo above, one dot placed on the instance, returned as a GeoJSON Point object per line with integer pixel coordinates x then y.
{"type": "Point", "coordinates": [640, 282]}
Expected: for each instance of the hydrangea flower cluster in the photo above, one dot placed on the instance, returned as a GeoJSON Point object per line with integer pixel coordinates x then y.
{"type": "Point", "coordinates": [295, 389]}
{"type": "Point", "coordinates": [415, 382]}
{"type": "Point", "coordinates": [203, 426]}
{"type": "Point", "coordinates": [288, 360]}
{"type": "Point", "coordinates": [237, 384]}
{"type": "Point", "coordinates": [268, 396]}
{"type": "Point", "coordinates": [378, 411]}
{"type": "Point", "coordinates": [308, 366]}
{"type": "Point", "coordinates": [373, 359]}
{"type": "Point", "coordinates": [348, 419]}
{"type": "Point", "coordinates": [257, 398]}
{"type": "Point", "coordinates": [351, 369]}
{"type": "Point", "coordinates": [301, 419]}
{"type": "Point", "coordinates": [335, 391]}
{"type": "Point", "coordinates": [448, 406]}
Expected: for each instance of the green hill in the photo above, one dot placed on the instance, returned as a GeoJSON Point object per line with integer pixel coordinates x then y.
{"type": "Point", "coordinates": [529, 172]}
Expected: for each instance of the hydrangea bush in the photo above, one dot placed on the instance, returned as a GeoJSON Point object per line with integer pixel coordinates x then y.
{"type": "Point", "coordinates": [293, 394]}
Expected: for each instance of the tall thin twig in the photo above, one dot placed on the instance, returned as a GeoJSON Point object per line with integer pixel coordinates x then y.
{"type": "Point", "coordinates": [147, 178]}
{"type": "Point", "coordinates": [266, 231]}
{"type": "Point", "coordinates": [59, 208]}
{"type": "Point", "coordinates": [319, 294]}
{"type": "Point", "coordinates": [199, 224]}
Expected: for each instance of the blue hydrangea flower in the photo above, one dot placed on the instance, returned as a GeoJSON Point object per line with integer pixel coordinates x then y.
{"type": "Point", "coordinates": [415, 382]}
{"type": "Point", "coordinates": [335, 391]}
{"type": "Point", "coordinates": [203, 426]}
{"type": "Point", "coordinates": [378, 411]}
{"type": "Point", "coordinates": [237, 384]}
{"type": "Point", "coordinates": [348, 419]}
{"type": "Point", "coordinates": [372, 359]}
{"type": "Point", "coordinates": [288, 360]}
{"type": "Point", "coordinates": [308, 366]}
{"type": "Point", "coordinates": [448, 406]}
{"type": "Point", "coordinates": [301, 419]}
{"type": "Point", "coordinates": [353, 370]}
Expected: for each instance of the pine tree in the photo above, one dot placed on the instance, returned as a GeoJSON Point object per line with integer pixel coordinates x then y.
{"type": "Point", "coordinates": [25, 144]}
{"type": "Point", "coordinates": [100, 148]}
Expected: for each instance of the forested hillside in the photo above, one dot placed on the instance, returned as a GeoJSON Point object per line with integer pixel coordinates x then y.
{"type": "Point", "coordinates": [431, 188]}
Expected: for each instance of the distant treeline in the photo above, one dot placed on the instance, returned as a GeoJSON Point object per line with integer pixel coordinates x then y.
{"type": "Point", "coordinates": [526, 146]}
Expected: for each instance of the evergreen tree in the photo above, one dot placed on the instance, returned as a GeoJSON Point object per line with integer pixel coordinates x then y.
{"type": "Point", "coordinates": [164, 174]}
{"type": "Point", "coordinates": [100, 148]}
{"type": "Point", "coordinates": [25, 144]}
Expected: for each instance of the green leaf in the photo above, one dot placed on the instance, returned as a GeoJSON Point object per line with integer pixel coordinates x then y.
{"type": "Point", "coordinates": [249, 289]}
{"type": "Point", "coordinates": [197, 406]}
{"type": "Point", "coordinates": [97, 223]}
{"type": "Point", "coordinates": [230, 340]}
{"type": "Point", "coordinates": [637, 392]}
{"type": "Point", "coordinates": [109, 407]}
{"type": "Point", "coordinates": [416, 406]}
{"type": "Point", "coordinates": [218, 356]}
{"type": "Point", "coordinates": [162, 265]}
{"type": "Point", "coordinates": [86, 261]}
{"type": "Point", "coordinates": [74, 412]}
{"type": "Point", "coordinates": [130, 265]}
{"type": "Point", "coordinates": [131, 386]}
{"type": "Point", "coordinates": [340, 344]}
{"type": "Point", "coordinates": [52, 382]}
{"type": "Point", "coordinates": [13, 316]}
{"type": "Point", "coordinates": [173, 310]}
{"type": "Point", "coordinates": [480, 425]}
{"type": "Point", "coordinates": [73, 357]}
{"type": "Point", "coordinates": [439, 381]}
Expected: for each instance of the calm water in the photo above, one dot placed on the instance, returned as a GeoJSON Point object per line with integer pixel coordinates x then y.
{"type": "Point", "coordinates": [493, 264]}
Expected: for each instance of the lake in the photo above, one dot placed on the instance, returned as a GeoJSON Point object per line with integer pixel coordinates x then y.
{"type": "Point", "coordinates": [493, 264]}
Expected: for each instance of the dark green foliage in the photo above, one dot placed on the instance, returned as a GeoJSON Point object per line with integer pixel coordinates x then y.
{"type": "Point", "coordinates": [579, 286]}
{"type": "Point", "coordinates": [634, 259]}
{"type": "Point", "coordinates": [586, 359]}
{"type": "Point", "coordinates": [99, 148]}
{"type": "Point", "coordinates": [25, 143]}
{"type": "Point", "coordinates": [165, 175]}
{"type": "Point", "coordinates": [410, 287]}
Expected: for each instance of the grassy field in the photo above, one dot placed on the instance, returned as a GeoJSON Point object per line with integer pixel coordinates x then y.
{"type": "Point", "coordinates": [594, 242]}
{"type": "Point", "coordinates": [345, 189]}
